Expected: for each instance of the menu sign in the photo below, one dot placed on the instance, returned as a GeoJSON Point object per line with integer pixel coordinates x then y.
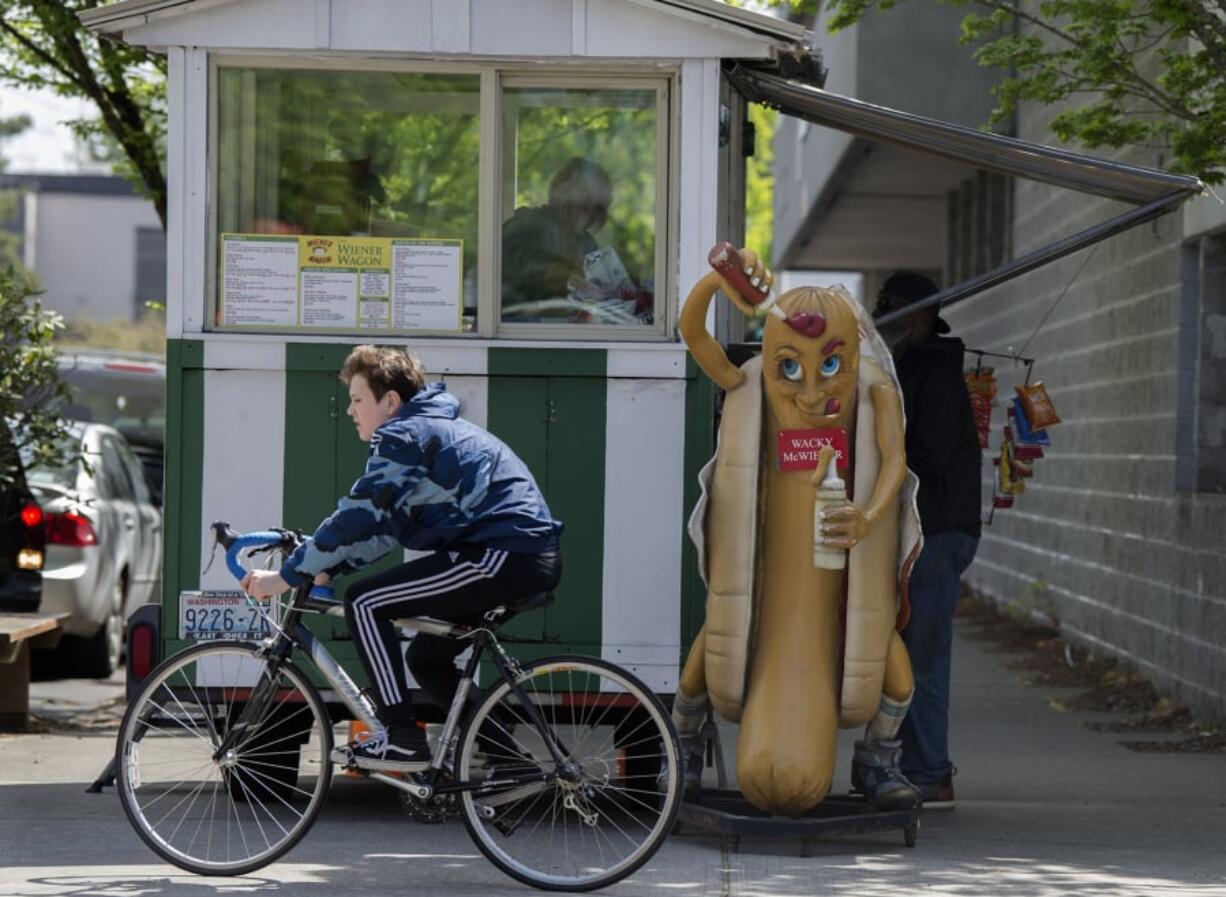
{"type": "Point", "coordinates": [341, 283]}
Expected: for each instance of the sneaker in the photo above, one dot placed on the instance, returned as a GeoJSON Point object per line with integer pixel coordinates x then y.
{"type": "Point", "coordinates": [398, 749]}
{"type": "Point", "coordinates": [691, 773]}
{"type": "Point", "coordinates": [938, 795]}
{"type": "Point", "coordinates": [875, 774]}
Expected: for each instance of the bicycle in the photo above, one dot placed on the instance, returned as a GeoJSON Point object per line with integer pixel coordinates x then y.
{"type": "Point", "coordinates": [566, 769]}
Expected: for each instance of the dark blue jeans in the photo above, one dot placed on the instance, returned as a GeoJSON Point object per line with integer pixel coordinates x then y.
{"type": "Point", "coordinates": [933, 591]}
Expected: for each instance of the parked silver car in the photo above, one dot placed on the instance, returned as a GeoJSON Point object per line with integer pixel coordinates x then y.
{"type": "Point", "coordinates": [104, 546]}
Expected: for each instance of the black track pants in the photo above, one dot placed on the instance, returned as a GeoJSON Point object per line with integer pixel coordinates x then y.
{"type": "Point", "coordinates": [458, 586]}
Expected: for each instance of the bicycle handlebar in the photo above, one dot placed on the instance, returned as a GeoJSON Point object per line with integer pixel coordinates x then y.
{"type": "Point", "coordinates": [235, 542]}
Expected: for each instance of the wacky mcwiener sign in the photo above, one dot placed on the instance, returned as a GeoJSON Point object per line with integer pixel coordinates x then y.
{"type": "Point", "coordinates": [790, 650]}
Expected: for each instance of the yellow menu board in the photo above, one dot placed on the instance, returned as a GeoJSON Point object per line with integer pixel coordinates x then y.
{"type": "Point", "coordinates": [341, 283]}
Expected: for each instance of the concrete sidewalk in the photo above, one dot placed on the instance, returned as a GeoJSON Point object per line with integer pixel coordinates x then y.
{"type": "Point", "coordinates": [1045, 807]}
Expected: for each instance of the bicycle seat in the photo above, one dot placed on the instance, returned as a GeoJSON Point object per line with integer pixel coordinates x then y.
{"type": "Point", "coordinates": [504, 612]}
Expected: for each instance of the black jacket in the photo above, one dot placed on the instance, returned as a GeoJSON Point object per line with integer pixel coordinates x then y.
{"type": "Point", "coordinates": [942, 443]}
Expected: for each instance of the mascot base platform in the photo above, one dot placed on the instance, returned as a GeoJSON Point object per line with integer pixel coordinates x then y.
{"type": "Point", "coordinates": [722, 812]}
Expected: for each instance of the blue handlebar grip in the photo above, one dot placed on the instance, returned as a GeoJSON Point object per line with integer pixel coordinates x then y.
{"type": "Point", "coordinates": [257, 539]}
{"type": "Point", "coordinates": [324, 593]}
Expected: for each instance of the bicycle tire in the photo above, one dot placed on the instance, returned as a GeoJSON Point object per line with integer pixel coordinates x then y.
{"type": "Point", "coordinates": [166, 746]}
{"type": "Point", "coordinates": [582, 700]}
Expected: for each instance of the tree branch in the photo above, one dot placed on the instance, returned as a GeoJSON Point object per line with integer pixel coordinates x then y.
{"type": "Point", "coordinates": [1154, 93]}
{"type": "Point", "coordinates": [39, 52]}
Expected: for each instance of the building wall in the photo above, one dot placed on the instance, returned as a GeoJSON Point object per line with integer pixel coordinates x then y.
{"type": "Point", "coordinates": [906, 59]}
{"type": "Point", "coordinates": [84, 248]}
{"type": "Point", "coordinates": [1102, 539]}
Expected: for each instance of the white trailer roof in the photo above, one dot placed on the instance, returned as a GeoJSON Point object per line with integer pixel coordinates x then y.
{"type": "Point", "coordinates": [129, 15]}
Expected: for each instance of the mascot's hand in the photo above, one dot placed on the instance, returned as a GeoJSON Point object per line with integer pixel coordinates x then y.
{"type": "Point", "coordinates": [756, 273]}
{"type": "Point", "coordinates": [843, 527]}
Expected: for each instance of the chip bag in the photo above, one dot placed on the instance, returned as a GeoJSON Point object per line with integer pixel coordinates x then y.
{"type": "Point", "coordinates": [1010, 483]}
{"type": "Point", "coordinates": [1040, 413]}
{"type": "Point", "coordinates": [1026, 434]}
{"type": "Point", "coordinates": [981, 387]}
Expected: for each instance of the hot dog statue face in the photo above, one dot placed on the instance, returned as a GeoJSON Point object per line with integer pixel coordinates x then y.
{"type": "Point", "coordinates": [773, 652]}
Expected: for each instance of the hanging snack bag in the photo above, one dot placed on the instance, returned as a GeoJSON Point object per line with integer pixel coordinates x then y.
{"type": "Point", "coordinates": [1021, 465]}
{"type": "Point", "coordinates": [1010, 483]}
{"type": "Point", "coordinates": [1028, 445]}
{"type": "Point", "coordinates": [981, 387]}
{"type": "Point", "coordinates": [1026, 434]}
{"type": "Point", "coordinates": [1040, 413]}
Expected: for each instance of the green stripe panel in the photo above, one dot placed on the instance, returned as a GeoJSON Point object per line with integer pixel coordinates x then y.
{"type": "Point", "coordinates": [699, 446]}
{"type": "Point", "coordinates": [550, 408]}
{"type": "Point", "coordinates": [547, 363]}
{"type": "Point", "coordinates": [184, 475]}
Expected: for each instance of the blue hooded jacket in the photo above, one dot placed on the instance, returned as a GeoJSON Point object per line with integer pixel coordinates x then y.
{"type": "Point", "coordinates": [433, 481]}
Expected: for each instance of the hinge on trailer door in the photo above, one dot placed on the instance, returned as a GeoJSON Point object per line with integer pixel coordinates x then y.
{"type": "Point", "coordinates": [333, 408]}
{"type": "Point", "coordinates": [551, 411]}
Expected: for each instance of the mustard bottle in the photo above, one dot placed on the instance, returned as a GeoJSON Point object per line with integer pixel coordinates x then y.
{"type": "Point", "coordinates": [831, 493]}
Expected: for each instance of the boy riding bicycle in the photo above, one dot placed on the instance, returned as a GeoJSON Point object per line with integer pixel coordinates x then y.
{"type": "Point", "coordinates": [433, 482]}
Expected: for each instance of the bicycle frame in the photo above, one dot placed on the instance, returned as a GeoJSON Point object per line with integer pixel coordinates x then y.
{"type": "Point", "coordinates": [294, 634]}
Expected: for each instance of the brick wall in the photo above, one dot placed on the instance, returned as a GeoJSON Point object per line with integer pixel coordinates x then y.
{"type": "Point", "coordinates": [1102, 539]}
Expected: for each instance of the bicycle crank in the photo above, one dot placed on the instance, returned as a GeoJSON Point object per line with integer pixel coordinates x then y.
{"type": "Point", "coordinates": [421, 792]}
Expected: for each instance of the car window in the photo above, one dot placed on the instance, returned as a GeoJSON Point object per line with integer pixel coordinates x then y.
{"type": "Point", "coordinates": [115, 472]}
{"type": "Point", "coordinates": [63, 476]}
{"type": "Point", "coordinates": [136, 474]}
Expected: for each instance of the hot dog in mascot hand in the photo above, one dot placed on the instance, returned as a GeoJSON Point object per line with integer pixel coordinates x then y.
{"type": "Point", "coordinates": [792, 651]}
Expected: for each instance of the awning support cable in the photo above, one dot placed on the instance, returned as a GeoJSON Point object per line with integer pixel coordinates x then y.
{"type": "Point", "coordinates": [1059, 299]}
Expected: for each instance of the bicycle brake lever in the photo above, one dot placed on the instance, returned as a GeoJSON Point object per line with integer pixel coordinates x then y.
{"type": "Point", "coordinates": [212, 555]}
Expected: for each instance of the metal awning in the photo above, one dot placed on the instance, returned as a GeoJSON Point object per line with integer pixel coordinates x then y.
{"type": "Point", "coordinates": [1153, 192]}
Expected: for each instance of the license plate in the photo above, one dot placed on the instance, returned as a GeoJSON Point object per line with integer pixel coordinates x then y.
{"type": "Point", "coordinates": [219, 615]}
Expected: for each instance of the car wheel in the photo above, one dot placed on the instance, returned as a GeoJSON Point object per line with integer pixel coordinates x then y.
{"type": "Point", "coordinates": [100, 654]}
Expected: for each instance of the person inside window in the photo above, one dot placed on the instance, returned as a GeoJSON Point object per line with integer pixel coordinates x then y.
{"type": "Point", "coordinates": [551, 261]}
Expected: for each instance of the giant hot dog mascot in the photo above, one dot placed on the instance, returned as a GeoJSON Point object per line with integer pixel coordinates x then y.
{"type": "Point", "coordinates": [792, 651]}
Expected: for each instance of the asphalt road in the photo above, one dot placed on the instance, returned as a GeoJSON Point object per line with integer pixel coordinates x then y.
{"type": "Point", "coordinates": [1046, 807]}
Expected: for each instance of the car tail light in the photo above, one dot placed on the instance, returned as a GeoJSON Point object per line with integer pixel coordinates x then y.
{"type": "Point", "coordinates": [69, 528]}
{"type": "Point", "coordinates": [32, 515]}
{"type": "Point", "coordinates": [142, 650]}
{"type": "Point", "coordinates": [33, 538]}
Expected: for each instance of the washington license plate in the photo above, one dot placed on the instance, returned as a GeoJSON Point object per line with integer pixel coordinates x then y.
{"type": "Point", "coordinates": [219, 615]}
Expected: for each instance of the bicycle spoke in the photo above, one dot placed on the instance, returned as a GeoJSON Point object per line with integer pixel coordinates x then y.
{"type": "Point", "coordinates": [190, 805]}
{"type": "Point", "coordinates": [590, 831]}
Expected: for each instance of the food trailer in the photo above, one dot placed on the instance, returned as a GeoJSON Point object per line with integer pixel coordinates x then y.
{"type": "Point", "coordinates": [349, 172]}
{"type": "Point", "coordinates": [393, 171]}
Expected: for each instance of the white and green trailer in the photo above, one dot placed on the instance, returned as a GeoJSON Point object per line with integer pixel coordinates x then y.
{"type": "Point", "coordinates": [340, 172]}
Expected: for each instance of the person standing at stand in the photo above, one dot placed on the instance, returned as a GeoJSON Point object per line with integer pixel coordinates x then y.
{"type": "Point", "coordinates": [943, 451]}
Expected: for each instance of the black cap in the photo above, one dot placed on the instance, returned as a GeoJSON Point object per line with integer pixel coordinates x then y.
{"type": "Point", "coordinates": [909, 287]}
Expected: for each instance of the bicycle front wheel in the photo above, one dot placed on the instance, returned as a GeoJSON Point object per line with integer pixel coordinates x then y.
{"type": "Point", "coordinates": [592, 820]}
{"type": "Point", "coordinates": [222, 764]}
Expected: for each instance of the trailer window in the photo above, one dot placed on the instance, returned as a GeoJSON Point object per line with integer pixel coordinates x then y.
{"type": "Point", "coordinates": [347, 201]}
{"type": "Point", "coordinates": [579, 205]}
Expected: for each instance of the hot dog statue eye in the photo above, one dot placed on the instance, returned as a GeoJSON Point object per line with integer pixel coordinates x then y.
{"type": "Point", "coordinates": [772, 654]}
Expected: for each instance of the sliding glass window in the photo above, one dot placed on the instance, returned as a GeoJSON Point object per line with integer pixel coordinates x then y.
{"type": "Point", "coordinates": [347, 201]}
{"type": "Point", "coordinates": [580, 205]}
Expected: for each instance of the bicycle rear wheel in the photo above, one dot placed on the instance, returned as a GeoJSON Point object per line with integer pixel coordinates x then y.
{"type": "Point", "coordinates": [586, 824]}
{"type": "Point", "coordinates": [223, 812]}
